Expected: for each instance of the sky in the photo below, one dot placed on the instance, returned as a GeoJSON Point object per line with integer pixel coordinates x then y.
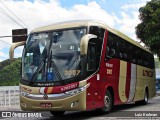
{"type": "Point", "coordinates": [15, 14]}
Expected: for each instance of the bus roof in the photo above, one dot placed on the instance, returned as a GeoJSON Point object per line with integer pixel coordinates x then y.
{"type": "Point", "coordinates": [80, 23]}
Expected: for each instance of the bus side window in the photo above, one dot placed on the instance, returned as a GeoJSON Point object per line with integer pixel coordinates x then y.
{"type": "Point", "coordinates": [130, 54]}
{"type": "Point", "coordinates": [91, 58]}
{"type": "Point", "coordinates": [98, 31]}
{"type": "Point", "coordinates": [108, 49]}
{"type": "Point", "coordinates": [113, 52]}
{"type": "Point", "coordinates": [116, 47]}
{"type": "Point", "coordinates": [134, 55]}
{"type": "Point", "coordinates": [120, 48]}
{"type": "Point", "coordinates": [120, 55]}
{"type": "Point", "coordinates": [125, 56]}
{"type": "Point", "coordinates": [144, 59]}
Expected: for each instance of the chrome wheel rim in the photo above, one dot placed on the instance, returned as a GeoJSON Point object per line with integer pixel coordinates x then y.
{"type": "Point", "coordinates": [106, 101]}
{"type": "Point", "coordinates": [146, 98]}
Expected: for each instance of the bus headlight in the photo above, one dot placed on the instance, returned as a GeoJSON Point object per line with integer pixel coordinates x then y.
{"type": "Point", "coordinates": [23, 93]}
{"type": "Point", "coordinates": [77, 90]}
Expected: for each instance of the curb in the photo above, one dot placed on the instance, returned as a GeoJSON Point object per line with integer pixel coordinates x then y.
{"type": "Point", "coordinates": [10, 108]}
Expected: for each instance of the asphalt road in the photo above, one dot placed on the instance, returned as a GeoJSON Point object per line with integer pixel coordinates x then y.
{"type": "Point", "coordinates": [127, 111]}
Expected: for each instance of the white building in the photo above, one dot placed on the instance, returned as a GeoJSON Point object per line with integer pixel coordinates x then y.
{"type": "Point", "coordinates": [158, 72]}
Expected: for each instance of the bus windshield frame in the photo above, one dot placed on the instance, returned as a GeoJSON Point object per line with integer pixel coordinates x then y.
{"type": "Point", "coordinates": [53, 56]}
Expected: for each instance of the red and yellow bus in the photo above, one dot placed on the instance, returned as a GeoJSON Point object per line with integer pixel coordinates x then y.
{"type": "Point", "coordinates": [83, 65]}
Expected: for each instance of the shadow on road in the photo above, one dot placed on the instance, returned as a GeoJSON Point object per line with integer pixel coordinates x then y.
{"type": "Point", "coordinates": [116, 112]}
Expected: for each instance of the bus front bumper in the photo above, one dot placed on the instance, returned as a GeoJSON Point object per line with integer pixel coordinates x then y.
{"type": "Point", "coordinates": [46, 102]}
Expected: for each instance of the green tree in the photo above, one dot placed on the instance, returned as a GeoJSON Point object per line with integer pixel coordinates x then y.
{"type": "Point", "coordinates": [157, 63]}
{"type": "Point", "coordinates": [10, 72]}
{"type": "Point", "coordinates": [148, 31]}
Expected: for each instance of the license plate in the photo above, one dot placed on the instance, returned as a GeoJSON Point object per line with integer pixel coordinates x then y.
{"type": "Point", "coordinates": [46, 105]}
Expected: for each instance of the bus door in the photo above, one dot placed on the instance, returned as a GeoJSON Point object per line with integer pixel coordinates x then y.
{"type": "Point", "coordinates": [91, 69]}
{"type": "Point", "coordinates": [91, 58]}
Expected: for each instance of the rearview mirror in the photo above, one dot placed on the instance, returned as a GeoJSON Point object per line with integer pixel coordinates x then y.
{"type": "Point", "coordinates": [84, 43]}
{"type": "Point", "coordinates": [15, 45]}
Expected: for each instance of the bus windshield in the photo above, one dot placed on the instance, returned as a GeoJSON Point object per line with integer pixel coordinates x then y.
{"type": "Point", "coordinates": [52, 56]}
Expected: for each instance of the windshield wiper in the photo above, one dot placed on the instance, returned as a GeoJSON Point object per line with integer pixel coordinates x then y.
{"type": "Point", "coordinates": [36, 72]}
{"type": "Point", "coordinates": [54, 66]}
{"type": "Point", "coordinates": [56, 70]}
{"type": "Point", "coordinates": [51, 62]}
{"type": "Point", "coordinates": [74, 61]}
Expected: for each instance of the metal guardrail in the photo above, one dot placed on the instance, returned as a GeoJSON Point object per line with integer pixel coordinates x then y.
{"type": "Point", "coordinates": [9, 95]}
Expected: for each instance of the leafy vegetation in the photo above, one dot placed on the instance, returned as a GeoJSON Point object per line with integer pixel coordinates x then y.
{"type": "Point", "coordinates": [10, 72]}
{"type": "Point", "coordinates": [149, 28]}
{"type": "Point", "coordinates": [157, 63]}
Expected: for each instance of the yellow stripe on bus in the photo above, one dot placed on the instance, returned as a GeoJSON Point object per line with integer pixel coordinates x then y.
{"type": "Point", "coordinates": [122, 81]}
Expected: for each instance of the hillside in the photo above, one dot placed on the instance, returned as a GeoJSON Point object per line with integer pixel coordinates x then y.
{"type": "Point", "coordinates": [10, 72]}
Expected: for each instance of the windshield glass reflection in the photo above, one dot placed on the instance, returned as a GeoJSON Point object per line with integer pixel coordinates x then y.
{"type": "Point", "coordinates": [53, 56]}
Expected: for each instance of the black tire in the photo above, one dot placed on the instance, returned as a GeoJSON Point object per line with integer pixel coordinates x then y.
{"type": "Point", "coordinates": [108, 103]}
{"type": "Point", "coordinates": [57, 113]}
{"type": "Point", "coordinates": [145, 100]}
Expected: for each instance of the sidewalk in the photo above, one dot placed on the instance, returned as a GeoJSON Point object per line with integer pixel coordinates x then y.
{"type": "Point", "coordinates": [10, 108]}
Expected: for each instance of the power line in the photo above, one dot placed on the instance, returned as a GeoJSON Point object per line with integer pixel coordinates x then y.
{"type": "Point", "coordinates": [14, 14]}
{"type": "Point", "coordinates": [3, 44]}
{"type": "Point", "coordinates": [6, 14]}
{"type": "Point", "coordinates": [18, 49]}
{"type": "Point", "coordinates": [9, 44]}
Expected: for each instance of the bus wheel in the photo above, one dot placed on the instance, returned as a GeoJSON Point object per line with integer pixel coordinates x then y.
{"type": "Point", "coordinates": [57, 113]}
{"type": "Point", "coordinates": [108, 103]}
{"type": "Point", "coordinates": [145, 100]}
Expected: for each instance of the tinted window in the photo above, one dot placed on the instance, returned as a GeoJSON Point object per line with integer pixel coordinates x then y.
{"type": "Point", "coordinates": [91, 57]}
{"type": "Point", "coordinates": [121, 49]}
{"type": "Point", "coordinates": [99, 32]}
